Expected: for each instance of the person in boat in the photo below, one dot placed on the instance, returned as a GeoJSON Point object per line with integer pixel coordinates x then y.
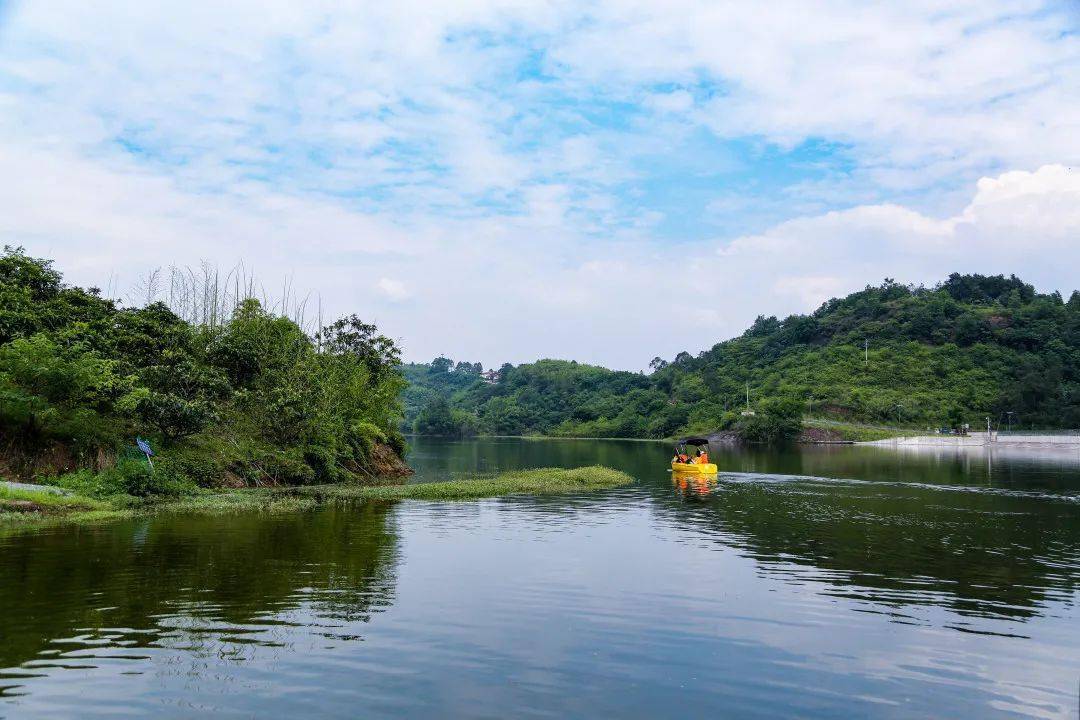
{"type": "Point", "coordinates": [682, 457]}
{"type": "Point", "coordinates": [702, 457]}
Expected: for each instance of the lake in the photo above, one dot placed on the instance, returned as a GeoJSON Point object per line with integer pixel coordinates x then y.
{"type": "Point", "coordinates": [818, 582]}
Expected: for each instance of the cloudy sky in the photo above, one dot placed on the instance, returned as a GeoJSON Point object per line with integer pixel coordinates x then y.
{"type": "Point", "coordinates": [502, 181]}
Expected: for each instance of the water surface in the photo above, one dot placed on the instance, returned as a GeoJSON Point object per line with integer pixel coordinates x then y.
{"type": "Point", "coordinates": [822, 582]}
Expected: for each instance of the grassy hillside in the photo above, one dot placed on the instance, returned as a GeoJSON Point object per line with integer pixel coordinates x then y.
{"type": "Point", "coordinates": [894, 354]}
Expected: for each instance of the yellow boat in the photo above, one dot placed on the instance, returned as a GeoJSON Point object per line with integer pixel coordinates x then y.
{"type": "Point", "coordinates": [694, 468]}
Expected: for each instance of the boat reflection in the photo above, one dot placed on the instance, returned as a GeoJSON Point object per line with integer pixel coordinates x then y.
{"type": "Point", "coordinates": [693, 486]}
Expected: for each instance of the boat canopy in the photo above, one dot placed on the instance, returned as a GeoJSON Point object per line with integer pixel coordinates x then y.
{"type": "Point", "coordinates": [693, 440]}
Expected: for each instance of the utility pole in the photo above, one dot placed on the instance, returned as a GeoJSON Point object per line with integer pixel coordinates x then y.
{"type": "Point", "coordinates": [866, 351]}
{"type": "Point", "coordinates": [810, 397]}
{"type": "Point", "coordinates": [1009, 415]}
{"type": "Point", "coordinates": [899, 407]}
{"type": "Point", "coordinates": [747, 412]}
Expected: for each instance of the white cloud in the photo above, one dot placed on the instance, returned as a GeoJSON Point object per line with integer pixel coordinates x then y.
{"type": "Point", "coordinates": [327, 95]}
{"type": "Point", "coordinates": [486, 160]}
{"type": "Point", "coordinates": [809, 290]}
{"type": "Point", "coordinates": [520, 288]}
{"type": "Point", "coordinates": [393, 289]}
{"type": "Point", "coordinates": [1022, 222]}
{"type": "Point", "coordinates": [678, 101]}
{"type": "Point", "coordinates": [913, 85]}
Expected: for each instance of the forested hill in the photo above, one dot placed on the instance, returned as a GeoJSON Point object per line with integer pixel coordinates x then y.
{"type": "Point", "coordinates": [971, 347]}
{"type": "Point", "coordinates": [226, 390]}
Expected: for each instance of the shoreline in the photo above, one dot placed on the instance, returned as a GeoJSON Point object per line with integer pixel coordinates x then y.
{"type": "Point", "coordinates": [1034, 441]}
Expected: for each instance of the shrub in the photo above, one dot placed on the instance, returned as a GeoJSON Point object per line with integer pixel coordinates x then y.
{"type": "Point", "coordinates": [128, 477]}
{"type": "Point", "coordinates": [190, 468]}
{"type": "Point", "coordinates": [276, 468]}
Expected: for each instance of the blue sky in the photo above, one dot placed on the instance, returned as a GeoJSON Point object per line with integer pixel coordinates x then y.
{"type": "Point", "coordinates": [504, 180]}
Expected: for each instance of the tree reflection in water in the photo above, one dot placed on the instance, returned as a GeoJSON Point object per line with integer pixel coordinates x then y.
{"type": "Point", "coordinates": [216, 585]}
{"type": "Point", "coordinates": [978, 551]}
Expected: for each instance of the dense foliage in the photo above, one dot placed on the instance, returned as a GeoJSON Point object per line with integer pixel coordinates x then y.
{"type": "Point", "coordinates": [550, 396]}
{"type": "Point", "coordinates": [972, 347]}
{"type": "Point", "coordinates": [252, 399]}
{"type": "Point", "coordinates": [427, 397]}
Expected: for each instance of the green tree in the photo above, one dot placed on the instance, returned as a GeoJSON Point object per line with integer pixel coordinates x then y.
{"type": "Point", "coordinates": [50, 393]}
{"type": "Point", "coordinates": [252, 398]}
{"type": "Point", "coordinates": [441, 365]}
{"type": "Point", "coordinates": [778, 420]}
{"type": "Point", "coordinates": [437, 418]}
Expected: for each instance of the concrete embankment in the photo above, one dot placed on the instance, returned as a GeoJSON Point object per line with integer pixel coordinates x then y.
{"type": "Point", "coordinates": [984, 439]}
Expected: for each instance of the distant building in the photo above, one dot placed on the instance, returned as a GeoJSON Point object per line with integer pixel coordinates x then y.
{"type": "Point", "coordinates": [490, 377]}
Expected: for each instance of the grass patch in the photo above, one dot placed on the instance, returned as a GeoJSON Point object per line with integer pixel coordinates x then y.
{"type": "Point", "coordinates": [52, 509]}
{"type": "Point", "coordinates": [44, 501]}
{"type": "Point", "coordinates": [859, 432]}
{"type": "Point", "coordinates": [22, 510]}
{"type": "Point", "coordinates": [542, 481]}
{"type": "Point", "coordinates": [228, 502]}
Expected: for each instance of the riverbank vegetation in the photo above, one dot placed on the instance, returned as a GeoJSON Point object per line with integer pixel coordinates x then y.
{"type": "Point", "coordinates": [228, 389]}
{"type": "Point", "coordinates": [23, 500]}
{"type": "Point", "coordinates": [830, 430]}
{"type": "Point", "coordinates": [25, 508]}
{"type": "Point", "coordinates": [21, 509]}
{"type": "Point", "coordinates": [543, 481]}
{"type": "Point", "coordinates": [900, 355]}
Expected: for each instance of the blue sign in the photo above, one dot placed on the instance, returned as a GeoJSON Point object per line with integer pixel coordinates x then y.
{"type": "Point", "coordinates": [144, 446]}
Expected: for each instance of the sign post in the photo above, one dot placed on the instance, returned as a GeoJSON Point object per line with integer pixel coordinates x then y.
{"type": "Point", "coordinates": [145, 447]}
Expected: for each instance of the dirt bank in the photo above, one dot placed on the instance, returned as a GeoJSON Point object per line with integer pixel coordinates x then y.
{"type": "Point", "coordinates": [387, 463]}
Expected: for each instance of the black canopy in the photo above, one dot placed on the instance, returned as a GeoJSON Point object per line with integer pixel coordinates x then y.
{"type": "Point", "coordinates": [694, 440]}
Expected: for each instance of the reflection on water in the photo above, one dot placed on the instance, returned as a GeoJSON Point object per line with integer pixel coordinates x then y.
{"type": "Point", "coordinates": [827, 582]}
{"type": "Point", "coordinates": [182, 593]}
{"type": "Point", "coordinates": [694, 486]}
{"type": "Point", "coordinates": [980, 553]}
